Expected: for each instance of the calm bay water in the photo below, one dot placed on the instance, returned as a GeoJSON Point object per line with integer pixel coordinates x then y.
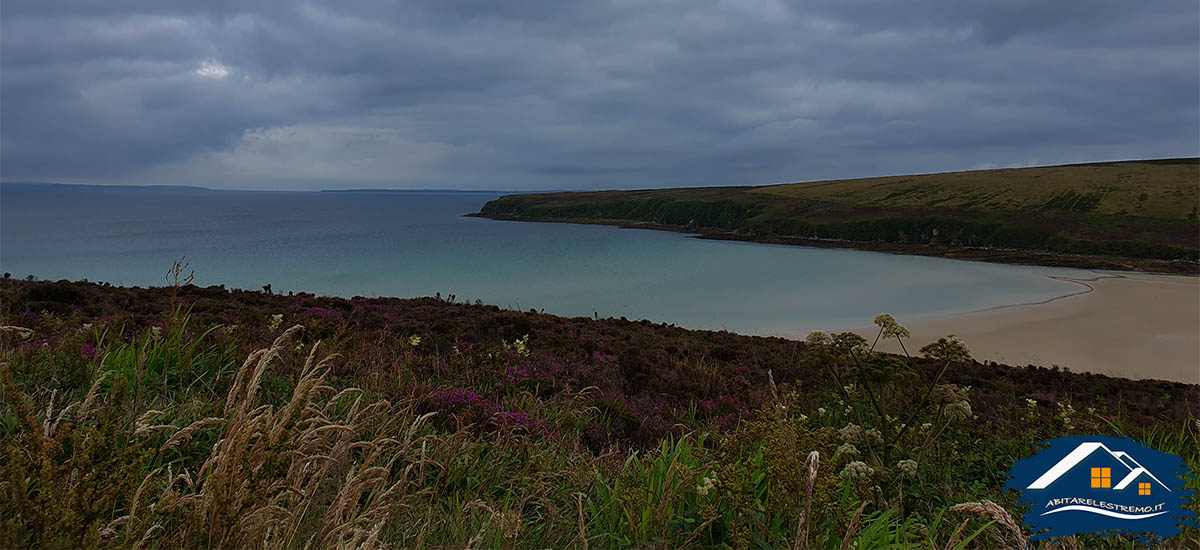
{"type": "Point", "coordinates": [417, 244]}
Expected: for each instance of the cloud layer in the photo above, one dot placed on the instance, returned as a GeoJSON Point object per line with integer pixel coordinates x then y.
{"type": "Point", "coordinates": [559, 95]}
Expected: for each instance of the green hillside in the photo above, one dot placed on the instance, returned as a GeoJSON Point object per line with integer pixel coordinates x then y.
{"type": "Point", "coordinates": [1131, 209]}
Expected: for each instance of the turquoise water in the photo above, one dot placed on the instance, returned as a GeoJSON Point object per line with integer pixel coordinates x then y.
{"type": "Point", "coordinates": [418, 244]}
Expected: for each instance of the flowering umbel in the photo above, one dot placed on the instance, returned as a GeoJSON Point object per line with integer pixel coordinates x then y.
{"type": "Point", "coordinates": [851, 433]}
{"type": "Point", "coordinates": [857, 470]}
{"type": "Point", "coordinates": [818, 338]}
{"type": "Point", "coordinates": [889, 326]}
{"type": "Point", "coordinates": [950, 349]}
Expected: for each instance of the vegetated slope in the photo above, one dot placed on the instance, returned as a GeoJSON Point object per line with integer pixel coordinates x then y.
{"type": "Point", "coordinates": [450, 424]}
{"type": "Point", "coordinates": [1131, 209]}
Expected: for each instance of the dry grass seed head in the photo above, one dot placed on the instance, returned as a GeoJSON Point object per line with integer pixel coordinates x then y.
{"type": "Point", "coordinates": [184, 436]}
{"type": "Point", "coordinates": [852, 530]}
{"type": "Point", "coordinates": [990, 509]}
{"type": "Point", "coordinates": [92, 393]}
{"type": "Point", "coordinates": [958, 534]}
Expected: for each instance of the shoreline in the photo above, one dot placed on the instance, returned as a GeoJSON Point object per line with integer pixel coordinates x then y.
{"type": "Point", "coordinates": [1136, 326]}
{"type": "Point", "coordinates": [975, 254]}
{"type": "Point", "coordinates": [1156, 337]}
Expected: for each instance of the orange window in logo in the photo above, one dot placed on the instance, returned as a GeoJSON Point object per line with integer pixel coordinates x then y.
{"type": "Point", "coordinates": [1102, 478]}
{"type": "Point", "coordinates": [1143, 488]}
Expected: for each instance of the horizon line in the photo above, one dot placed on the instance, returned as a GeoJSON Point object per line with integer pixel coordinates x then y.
{"type": "Point", "coordinates": [160, 186]}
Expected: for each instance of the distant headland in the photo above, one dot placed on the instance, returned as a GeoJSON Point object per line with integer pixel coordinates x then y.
{"type": "Point", "coordinates": [1139, 215]}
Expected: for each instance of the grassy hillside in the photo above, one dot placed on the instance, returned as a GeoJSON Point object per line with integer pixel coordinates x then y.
{"type": "Point", "coordinates": [188, 417]}
{"type": "Point", "coordinates": [1134, 209]}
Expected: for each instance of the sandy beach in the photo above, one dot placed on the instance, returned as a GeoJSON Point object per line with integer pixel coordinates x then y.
{"type": "Point", "coordinates": [1120, 324]}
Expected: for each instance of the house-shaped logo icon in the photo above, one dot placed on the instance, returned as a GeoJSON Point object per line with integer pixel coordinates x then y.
{"type": "Point", "coordinates": [1101, 477]}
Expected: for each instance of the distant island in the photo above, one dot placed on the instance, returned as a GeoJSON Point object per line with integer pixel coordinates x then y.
{"type": "Point", "coordinates": [1136, 215]}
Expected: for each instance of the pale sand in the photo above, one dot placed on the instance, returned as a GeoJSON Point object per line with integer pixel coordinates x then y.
{"type": "Point", "coordinates": [1120, 324]}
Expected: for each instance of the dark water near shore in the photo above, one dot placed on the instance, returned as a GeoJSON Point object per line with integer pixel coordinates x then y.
{"type": "Point", "coordinates": [418, 243]}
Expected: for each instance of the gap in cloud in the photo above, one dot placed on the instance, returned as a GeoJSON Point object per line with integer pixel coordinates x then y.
{"type": "Point", "coordinates": [213, 69]}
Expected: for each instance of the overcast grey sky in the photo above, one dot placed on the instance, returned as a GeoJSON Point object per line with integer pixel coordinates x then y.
{"type": "Point", "coordinates": [482, 94]}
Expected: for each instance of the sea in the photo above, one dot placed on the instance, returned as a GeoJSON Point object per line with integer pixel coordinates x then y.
{"type": "Point", "coordinates": [420, 243]}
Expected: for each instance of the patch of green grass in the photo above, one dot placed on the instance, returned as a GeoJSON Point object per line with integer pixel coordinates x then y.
{"type": "Point", "coordinates": [518, 430]}
{"type": "Point", "coordinates": [1134, 209]}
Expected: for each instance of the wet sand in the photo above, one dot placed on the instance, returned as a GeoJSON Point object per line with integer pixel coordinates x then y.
{"type": "Point", "coordinates": [1121, 324]}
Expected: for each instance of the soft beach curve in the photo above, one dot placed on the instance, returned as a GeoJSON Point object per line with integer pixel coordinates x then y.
{"type": "Point", "coordinates": [1130, 325]}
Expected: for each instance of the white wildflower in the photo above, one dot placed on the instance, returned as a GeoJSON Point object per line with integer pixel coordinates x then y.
{"type": "Point", "coordinates": [414, 340]}
{"type": "Point", "coordinates": [950, 393]}
{"type": "Point", "coordinates": [156, 331]}
{"type": "Point", "coordinates": [890, 328]}
{"type": "Point", "coordinates": [851, 433]}
{"type": "Point", "coordinates": [818, 338]}
{"type": "Point", "coordinates": [959, 410]}
{"type": "Point", "coordinates": [909, 467]}
{"type": "Point", "coordinates": [874, 436]}
{"type": "Point", "coordinates": [857, 470]}
{"type": "Point", "coordinates": [950, 349]}
{"type": "Point", "coordinates": [1032, 403]}
{"type": "Point", "coordinates": [846, 449]}
{"type": "Point", "coordinates": [276, 320]}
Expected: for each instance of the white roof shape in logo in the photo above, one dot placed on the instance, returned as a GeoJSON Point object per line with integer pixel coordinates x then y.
{"type": "Point", "coordinates": [1085, 450]}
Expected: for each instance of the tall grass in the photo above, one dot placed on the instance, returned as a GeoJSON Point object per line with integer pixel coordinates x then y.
{"type": "Point", "coordinates": [163, 439]}
{"type": "Point", "coordinates": [325, 469]}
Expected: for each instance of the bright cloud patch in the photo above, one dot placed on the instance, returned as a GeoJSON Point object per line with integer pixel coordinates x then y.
{"type": "Point", "coordinates": [214, 70]}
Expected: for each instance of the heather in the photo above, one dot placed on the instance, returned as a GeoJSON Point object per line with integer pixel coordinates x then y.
{"type": "Point", "coordinates": [188, 416]}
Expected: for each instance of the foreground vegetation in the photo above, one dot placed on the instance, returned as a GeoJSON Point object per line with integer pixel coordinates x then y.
{"type": "Point", "coordinates": [1124, 210]}
{"type": "Point", "coordinates": [185, 416]}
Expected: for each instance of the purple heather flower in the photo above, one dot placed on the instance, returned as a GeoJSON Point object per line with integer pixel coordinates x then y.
{"type": "Point", "coordinates": [90, 351]}
{"type": "Point", "coordinates": [322, 313]}
{"type": "Point", "coordinates": [458, 397]}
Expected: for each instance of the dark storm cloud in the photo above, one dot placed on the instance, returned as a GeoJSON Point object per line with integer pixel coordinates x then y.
{"type": "Point", "coordinates": [482, 94]}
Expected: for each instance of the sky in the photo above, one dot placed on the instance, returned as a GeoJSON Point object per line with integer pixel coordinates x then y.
{"type": "Point", "coordinates": [480, 94]}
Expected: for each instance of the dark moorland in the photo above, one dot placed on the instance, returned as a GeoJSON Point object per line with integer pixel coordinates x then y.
{"type": "Point", "coordinates": [1133, 215]}
{"type": "Point", "coordinates": [185, 416]}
